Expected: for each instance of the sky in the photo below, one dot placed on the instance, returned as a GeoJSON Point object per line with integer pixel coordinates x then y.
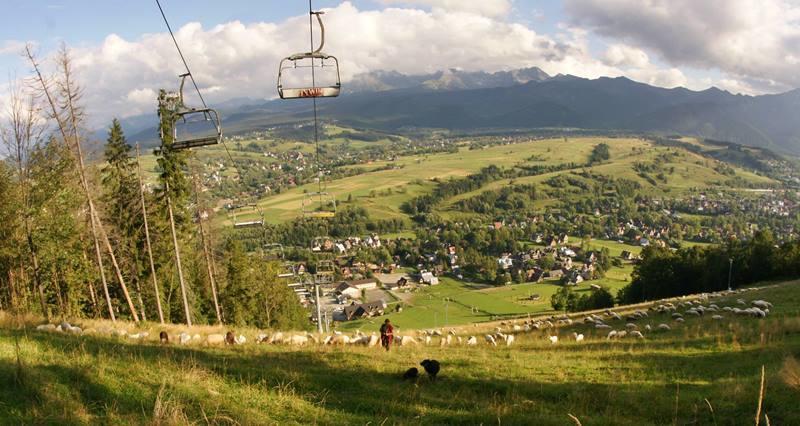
{"type": "Point", "coordinates": [123, 54]}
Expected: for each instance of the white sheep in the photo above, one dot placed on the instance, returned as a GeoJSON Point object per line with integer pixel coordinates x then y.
{"type": "Point", "coordinates": [240, 340]}
{"type": "Point", "coordinates": [631, 326]}
{"type": "Point", "coordinates": [717, 317]}
{"type": "Point", "coordinates": [509, 339]}
{"type": "Point", "coordinates": [612, 334]}
{"type": "Point", "coordinates": [762, 304]}
{"type": "Point", "coordinates": [680, 319]}
{"type": "Point", "coordinates": [215, 339]}
{"type": "Point", "coordinates": [184, 338]}
{"type": "Point", "coordinates": [648, 327]}
{"type": "Point", "coordinates": [46, 327]}
{"type": "Point", "coordinates": [428, 341]}
{"type": "Point", "coordinates": [407, 340]}
{"type": "Point", "coordinates": [458, 338]}
{"type": "Point", "coordinates": [491, 340]}
{"type": "Point", "coordinates": [297, 340]}
{"type": "Point", "coordinates": [262, 338]}
{"type": "Point", "coordinates": [578, 337]}
{"type": "Point", "coordinates": [472, 341]}
{"type": "Point", "coordinates": [637, 334]}
{"type": "Point", "coordinates": [602, 326]}
{"type": "Point", "coordinates": [664, 327]}
{"type": "Point", "coordinates": [373, 340]}
{"type": "Point", "coordinates": [275, 338]}
{"type": "Point", "coordinates": [340, 339]}
{"type": "Point", "coordinates": [553, 340]}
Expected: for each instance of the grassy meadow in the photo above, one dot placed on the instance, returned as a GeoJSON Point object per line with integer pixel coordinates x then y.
{"type": "Point", "coordinates": [702, 372]}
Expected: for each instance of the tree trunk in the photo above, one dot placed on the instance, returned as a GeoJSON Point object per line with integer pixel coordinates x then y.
{"type": "Point", "coordinates": [147, 238]}
{"type": "Point", "coordinates": [205, 249]}
{"type": "Point", "coordinates": [178, 259]}
{"type": "Point", "coordinates": [37, 281]}
{"type": "Point", "coordinates": [92, 295]}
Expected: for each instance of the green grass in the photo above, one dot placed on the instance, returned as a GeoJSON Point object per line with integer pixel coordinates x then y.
{"type": "Point", "coordinates": [668, 378]}
{"type": "Point", "coordinates": [454, 302]}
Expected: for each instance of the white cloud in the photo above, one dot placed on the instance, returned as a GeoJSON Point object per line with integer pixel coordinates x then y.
{"type": "Point", "coordinates": [121, 77]}
{"type": "Point", "coordinates": [490, 8]}
{"type": "Point", "coordinates": [754, 41]}
{"type": "Point", "coordinates": [624, 55]}
{"type": "Point", "coordinates": [11, 47]}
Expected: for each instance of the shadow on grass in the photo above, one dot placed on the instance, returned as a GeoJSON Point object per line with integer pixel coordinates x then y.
{"type": "Point", "coordinates": [353, 386]}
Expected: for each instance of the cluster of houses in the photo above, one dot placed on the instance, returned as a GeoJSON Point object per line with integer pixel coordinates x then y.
{"type": "Point", "coordinates": [769, 203]}
{"type": "Point", "coordinates": [564, 268]}
{"type": "Point", "coordinates": [327, 244]}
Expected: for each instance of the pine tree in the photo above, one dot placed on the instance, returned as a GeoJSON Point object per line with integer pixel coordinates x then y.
{"type": "Point", "coordinates": [174, 186]}
{"type": "Point", "coordinates": [123, 206]}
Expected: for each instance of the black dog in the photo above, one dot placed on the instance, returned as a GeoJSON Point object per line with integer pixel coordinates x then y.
{"type": "Point", "coordinates": [431, 367]}
{"type": "Point", "coordinates": [164, 337]}
{"type": "Point", "coordinates": [411, 374]}
{"type": "Point", "coordinates": [230, 339]}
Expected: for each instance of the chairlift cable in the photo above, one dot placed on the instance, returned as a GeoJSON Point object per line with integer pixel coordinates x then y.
{"type": "Point", "coordinates": [314, 99]}
{"type": "Point", "coordinates": [185, 64]}
{"type": "Point", "coordinates": [200, 95]}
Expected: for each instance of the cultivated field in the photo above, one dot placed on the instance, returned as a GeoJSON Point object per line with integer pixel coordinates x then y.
{"type": "Point", "coordinates": [704, 371]}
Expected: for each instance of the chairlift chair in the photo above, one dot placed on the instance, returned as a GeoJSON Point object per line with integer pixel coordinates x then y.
{"type": "Point", "coordinates": [274, 251]}
{"type": "Point", "coordinates": [253, 223]}
{"type": "Point", "coordinates": [325, 272]}
{"type": "Point", "coordinates": [326, 205]}
{"type": "Point", "coordinates": [194, 127]}
{"type": "Point", "coordinates": [315, 60]}
{"type": "Point", "coordinates": [288, 270]}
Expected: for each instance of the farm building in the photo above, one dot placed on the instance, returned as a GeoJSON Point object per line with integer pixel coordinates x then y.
{"type": "Point", "coordinates": [364, 310]}
{"type": "Point", "coordinates": [365, 284]}
{"type": "Point", "coordinates": [429, 278]}
{"type": "Point", "coordinates": [347, 290]}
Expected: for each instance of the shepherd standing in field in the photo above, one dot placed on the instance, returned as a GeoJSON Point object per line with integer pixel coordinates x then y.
{"type": "Point", "coordinates": [387, 334]}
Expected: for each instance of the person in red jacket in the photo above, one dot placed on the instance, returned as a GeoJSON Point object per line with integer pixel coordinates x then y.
{"type": "Point", "coordinates": [387, 334]}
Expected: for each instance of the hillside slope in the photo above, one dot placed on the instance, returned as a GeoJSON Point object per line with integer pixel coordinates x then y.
{"type": "Point", "coordinates": [704, 371]}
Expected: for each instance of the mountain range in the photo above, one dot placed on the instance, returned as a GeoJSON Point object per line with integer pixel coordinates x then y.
{"type": "Point", "coordinates": [529, 99]}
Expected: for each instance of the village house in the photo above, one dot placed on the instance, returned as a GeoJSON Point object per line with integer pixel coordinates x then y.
{"type": "Point", "coordinates": [428, 278]}
{"type": "Point", "coordinates": [364, 310]}
{"type": "Point", "coordinates": [348, 291]}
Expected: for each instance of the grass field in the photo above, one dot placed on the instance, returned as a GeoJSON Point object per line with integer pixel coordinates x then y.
{"type": "Point", "coordinates": [701, 372]}
{"type": "Point", "coordinates": [454, 302]}
{"type": "Point", "coordinates": [371, 190]}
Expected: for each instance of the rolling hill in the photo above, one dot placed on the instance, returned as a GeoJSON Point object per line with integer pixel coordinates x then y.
{"type": "Point", "coordinates": [530, 99]}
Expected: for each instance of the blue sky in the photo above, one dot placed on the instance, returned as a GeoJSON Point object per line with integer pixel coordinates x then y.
{"type": "Point", "coordinates": [48, 22]}
{"type": "Point", "coordinates": [123, 55]}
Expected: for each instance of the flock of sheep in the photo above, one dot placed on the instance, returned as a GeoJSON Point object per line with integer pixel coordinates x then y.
{"type": "Point", "coordinates": [636, 324]}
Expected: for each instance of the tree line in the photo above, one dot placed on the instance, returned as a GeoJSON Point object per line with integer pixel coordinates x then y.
{"type": "Point", "coordinates": [74, 241]}
{"type": "Point", "coordinates": [668, 273]}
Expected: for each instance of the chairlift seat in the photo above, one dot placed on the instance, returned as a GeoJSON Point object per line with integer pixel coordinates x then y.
{"type": "Point", "coordinates": [249, 224]}
{"type": "Point", "coordinates": [291, 62]}
{"type": "Point", "coordinates": [210, 136]}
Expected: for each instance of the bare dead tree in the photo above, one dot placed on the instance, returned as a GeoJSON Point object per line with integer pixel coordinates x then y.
{"type": "Point", "coordinates": [147, 238]}
{"type": "Point", "coordinates": [209, 260]}
{"type": "Point", "coordinates": [68, 117]}
{"type": "Point", "coordinates": [21, 133]}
